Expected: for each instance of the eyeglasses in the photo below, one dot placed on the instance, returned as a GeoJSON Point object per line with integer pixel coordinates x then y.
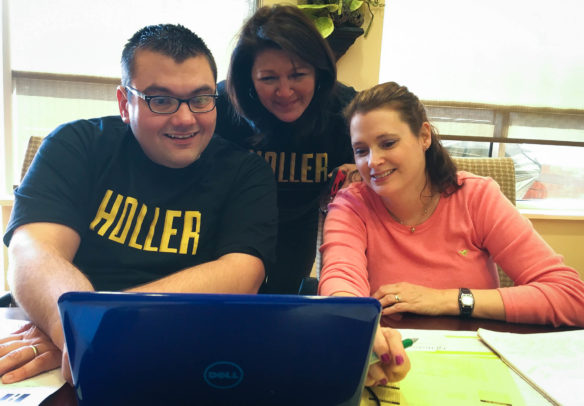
{"type": "Point", "coordinates": [201, 103]}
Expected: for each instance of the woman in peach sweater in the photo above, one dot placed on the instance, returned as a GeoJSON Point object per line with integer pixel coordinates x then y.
{"type": "Point", "coordinates": [423, 238]}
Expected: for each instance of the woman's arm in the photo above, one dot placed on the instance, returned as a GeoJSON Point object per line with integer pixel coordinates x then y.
{"type": "Point", "coordinates": [343, 251]}
{"type": "Point", "coordinates": [406, 297]}
{"type": "Point", "coordinates": [546, 290]}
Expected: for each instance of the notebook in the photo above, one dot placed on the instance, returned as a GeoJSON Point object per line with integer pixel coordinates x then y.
{"type": "Point", "coordinates": [206, 349]}
{"type": "Point", "coordinates": [550, 362]}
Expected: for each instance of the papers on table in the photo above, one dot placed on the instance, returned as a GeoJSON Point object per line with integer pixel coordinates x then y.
{"type": "Point", "coordinates": [31, 391]}
{"type": "Point", "coordinates": [445, 341]}
{"type": "Point", "coordinates": [551, 362]}
{"type": "Point", "coordinates": [9, 326]}
{"type": "Point", "coordinates": [455, 368]}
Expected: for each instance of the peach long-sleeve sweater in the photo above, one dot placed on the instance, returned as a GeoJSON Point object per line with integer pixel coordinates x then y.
{"type": "Point", "coordinates": [458, 246]}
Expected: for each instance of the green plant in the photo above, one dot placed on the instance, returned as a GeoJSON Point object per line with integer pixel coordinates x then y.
{"type": "Point", "coordinates": [328, 14]}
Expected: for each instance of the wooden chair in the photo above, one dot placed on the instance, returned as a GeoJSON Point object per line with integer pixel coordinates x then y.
{"type": "Point", "coordinates": [501, 170]}
{"type": "Point", "coordinates": [34, 143]}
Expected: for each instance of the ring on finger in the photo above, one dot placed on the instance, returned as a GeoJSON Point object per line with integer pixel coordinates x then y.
{"type": "Point", "coordinates": [35, 350]}
{"type": "Point", "coordinates": [396, 297]}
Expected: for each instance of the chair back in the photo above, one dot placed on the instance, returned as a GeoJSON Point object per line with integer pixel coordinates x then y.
{"type": "Point", "coordinates": [34, 143]}
{"type": "Point", "coordinates": [501, 170]}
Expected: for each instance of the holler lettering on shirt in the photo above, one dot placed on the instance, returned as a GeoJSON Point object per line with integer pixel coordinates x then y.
{"type": "Point", "coordinates": [169, 231]}
{"type": "Point", "coordinates": [297, 168]}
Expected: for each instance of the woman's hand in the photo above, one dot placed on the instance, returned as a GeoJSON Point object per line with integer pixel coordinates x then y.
{"type": "Point", "coordinates": [405, 297]}
{"type": "Point", "coordinates": [26, 353]}
{"type": "Point", "coordinates": [394, 363]}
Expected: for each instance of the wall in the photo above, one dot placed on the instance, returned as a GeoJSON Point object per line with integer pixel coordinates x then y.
{"type": "Point", "coordinates": [566, 237]}
{"type": "Point", "coordinates": [359, 67]}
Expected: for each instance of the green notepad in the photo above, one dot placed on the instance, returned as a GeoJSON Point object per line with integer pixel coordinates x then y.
{"type": "Point", "coordinates": [451, 368]}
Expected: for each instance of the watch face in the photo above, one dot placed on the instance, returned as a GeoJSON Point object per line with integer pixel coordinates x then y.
{"type": "Point", "coordinates": [467, 300]}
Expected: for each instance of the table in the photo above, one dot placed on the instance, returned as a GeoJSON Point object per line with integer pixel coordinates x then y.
{"type": "Point", "coordinates": [66, 395]}
{"type": "Point", "coordinates": [456, 323]}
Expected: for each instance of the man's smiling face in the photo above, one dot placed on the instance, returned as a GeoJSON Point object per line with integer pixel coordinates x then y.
{"type": "Point", "coordinates": [172, 140]}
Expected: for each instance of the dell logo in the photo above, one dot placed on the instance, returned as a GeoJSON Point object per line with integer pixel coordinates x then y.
{"type": "Point", "coordinates": [223, 375]}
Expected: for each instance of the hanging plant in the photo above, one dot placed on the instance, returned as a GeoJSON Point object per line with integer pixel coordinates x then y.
{"type": "Point", "coordinates": [330, 14]}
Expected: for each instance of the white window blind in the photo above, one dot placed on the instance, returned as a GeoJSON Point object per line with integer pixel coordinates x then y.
{"type": "Point", "coordinates": [509, 52]}
{"type": "Point", "coordinates": [499, 78]}
{"type": "Point", "coordinates": [85, 37]}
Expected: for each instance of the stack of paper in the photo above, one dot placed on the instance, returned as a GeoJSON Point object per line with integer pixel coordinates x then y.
{"type": "Point", "coordinates": [553, 363]}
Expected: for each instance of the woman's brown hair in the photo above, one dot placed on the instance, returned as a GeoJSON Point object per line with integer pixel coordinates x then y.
{"type": "Point", "coordinates": [439, 166]}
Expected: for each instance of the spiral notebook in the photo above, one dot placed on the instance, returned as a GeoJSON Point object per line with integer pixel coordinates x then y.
{"type": "Point", "coordinates": [203, 349]}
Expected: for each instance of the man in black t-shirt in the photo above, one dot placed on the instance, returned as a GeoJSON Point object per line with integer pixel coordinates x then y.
{"type": "Point", "coordinates": [150, 201]}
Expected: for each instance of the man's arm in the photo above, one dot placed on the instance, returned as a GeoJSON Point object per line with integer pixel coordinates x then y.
{"type": "Point", "coordinates": [41, 269]}
{"type": "Point", "coordinates": [231, 273]}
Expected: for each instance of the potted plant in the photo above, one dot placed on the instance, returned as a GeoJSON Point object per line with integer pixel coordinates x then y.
{"type": "Point", "coordinates": [340, 21]}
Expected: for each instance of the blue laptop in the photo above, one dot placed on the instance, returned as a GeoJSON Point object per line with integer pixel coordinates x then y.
{"type": "Point", "coordinates": [204, 349]}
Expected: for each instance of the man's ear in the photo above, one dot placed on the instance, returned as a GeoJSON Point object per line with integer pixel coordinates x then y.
{"type": "Point", "coordinates": [122, 95]}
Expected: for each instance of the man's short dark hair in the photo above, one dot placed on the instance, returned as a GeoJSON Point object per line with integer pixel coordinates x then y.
{"type": "Point", "coordinates": [175, 41]}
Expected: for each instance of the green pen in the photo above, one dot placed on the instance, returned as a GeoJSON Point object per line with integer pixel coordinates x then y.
{"type": "Point", "coordinates": [408, 342]}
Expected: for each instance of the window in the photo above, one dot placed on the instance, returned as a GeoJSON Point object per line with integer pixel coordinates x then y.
{"type": "Point", "coordinates": [68, 67]}
{"type": "Point", "coordinates": [499, 79]}
{"type": "Point", "coordinates": [545, 147]}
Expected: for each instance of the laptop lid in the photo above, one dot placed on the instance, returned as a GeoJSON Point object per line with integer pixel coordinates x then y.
{"type": "Point", "coordinates": [205, 349]}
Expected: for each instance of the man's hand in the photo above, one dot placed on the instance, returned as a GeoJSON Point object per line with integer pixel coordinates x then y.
{"type": "Point", "coordinates": [26, 353]}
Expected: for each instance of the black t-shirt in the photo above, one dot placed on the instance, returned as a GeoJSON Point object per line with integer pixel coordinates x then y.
{"type": "Point", "coordinates": [140, 221]}
{"type": "Point", "coordinates": [300, 163]}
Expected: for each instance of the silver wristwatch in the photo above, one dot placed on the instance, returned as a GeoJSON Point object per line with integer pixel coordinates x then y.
{"type": "Point", "coordinates": [465, 302]}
